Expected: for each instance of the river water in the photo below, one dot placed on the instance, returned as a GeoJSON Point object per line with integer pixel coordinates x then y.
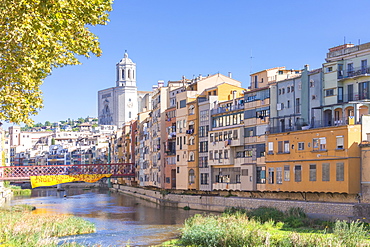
{"type": "Point", "coordinates": [120, 219]}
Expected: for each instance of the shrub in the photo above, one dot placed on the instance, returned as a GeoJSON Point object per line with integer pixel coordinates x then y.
{"type": "Point", "coordinates": [233, 210]}
{"type": "Point", "coordinates": [296, 212]}
{"type": "Point", "coordinates": [264, 214]}
{"type": "Point", "coordinates": [351, 234]}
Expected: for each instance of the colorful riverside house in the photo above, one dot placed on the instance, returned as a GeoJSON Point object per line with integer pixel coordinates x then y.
{"type": "Point", "coordinates": [346, 84]}
{"type": "Point", "coordinates": [324, 159]}
{"type": "Point", "coordinates": [204, 123]}
{"type": "Point", "coordinates": [257, 115]}
{"type": "Point", "coordinates": [252, 156]}
{"type": "Point", "coordinates": [194, 146]}
{"type": "Point", "coordinates": [182, 137]}
{"type": "Point", "coordinates": [226, 136]}
{"type": "Point", "coordinates": [170, 147]}
{"type": "Point", "coordinates": [143, 161]}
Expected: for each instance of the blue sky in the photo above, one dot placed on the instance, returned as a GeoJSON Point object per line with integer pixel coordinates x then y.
{"type": "Point", "coordinates": [171, 38]}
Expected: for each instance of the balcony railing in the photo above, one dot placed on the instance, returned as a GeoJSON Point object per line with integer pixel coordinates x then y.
{"type": "Point", "coordinates": [313, 125]}
{"type": "Point", "coordinates": [227, 109]}
{"type": "Point", "coordinates": [359, 71]}
{"type": "Point", "coordinates": [344, 98]}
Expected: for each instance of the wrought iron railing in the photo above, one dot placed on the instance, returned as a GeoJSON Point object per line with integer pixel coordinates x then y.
{"type": "Point", "coordinates": [24, 172]}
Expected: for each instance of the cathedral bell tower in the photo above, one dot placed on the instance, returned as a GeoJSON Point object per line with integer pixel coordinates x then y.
{"type": "Point", "coordinates": [126, 72]}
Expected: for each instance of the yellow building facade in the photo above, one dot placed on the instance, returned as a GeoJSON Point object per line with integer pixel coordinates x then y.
{"type": "Point", "coordinates": [315, 160]}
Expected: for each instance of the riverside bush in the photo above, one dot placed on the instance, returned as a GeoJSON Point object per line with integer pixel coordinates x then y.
{"type": "Point", "coordinates": [23, 228]}
{"type": "Point", "coordinates": [237, 230]}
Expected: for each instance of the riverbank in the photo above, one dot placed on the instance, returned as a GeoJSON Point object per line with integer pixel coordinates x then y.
{"type": "Point", "coordinates": [322, 210]}
{"type": "Point", "coordinates": [269, 227]}
{"type": "Point", "coordinates": [20, 227]}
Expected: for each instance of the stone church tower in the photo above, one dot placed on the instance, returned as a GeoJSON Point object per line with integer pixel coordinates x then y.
{"type": "Point", "coordinates": [119, 104]}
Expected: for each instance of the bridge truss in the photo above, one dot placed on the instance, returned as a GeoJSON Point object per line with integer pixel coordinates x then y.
{"type": "Point", "coordinates": [24, 172]}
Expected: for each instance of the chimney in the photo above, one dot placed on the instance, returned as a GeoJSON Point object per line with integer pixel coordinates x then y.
{"type": "Point", "coordinates": [230, 75]}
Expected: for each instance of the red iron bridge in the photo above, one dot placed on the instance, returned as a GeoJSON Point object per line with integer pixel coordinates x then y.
{"type": "Point", "coordinates": [24, 172]}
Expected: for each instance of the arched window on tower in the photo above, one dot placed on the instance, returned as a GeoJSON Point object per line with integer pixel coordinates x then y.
{"type": "Point", "coordinates": [123, 74]}
{"type": "Point", "coordinates": [129, 74]}
{"type": "Point", "coordinates": [133, 74]}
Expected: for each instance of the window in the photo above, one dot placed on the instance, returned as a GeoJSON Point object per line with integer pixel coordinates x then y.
{"type": "Point", "coordinates": [244, 172]}
{"type": "Point", "coordinates": [292, 89]}
{"type": "Point", "coordinates": [279, 175]}
{"type": "Point", "coordinates": [298, 173]}
{"type": "Point", "coordinates": [363, 66]}
{"type": "Point", "coordinates": [270, 148]}
{"type": "Point", "coordinates": [226, 154]}
{"type": "Point", "coordinates": [312, 172]}
{"type": "Point", "coordinates": [286, 147]}
{"type": "Point", "coordinates": [329, 92]}
{"type": "Point", "coordinates": [288, 89]}
{"type": "Point", "coordinates": [204, 178]}
{"type": "Point", "coordinates": [350, 69]}
{"type": "Point", "coordinates": [211, 155]}
{"type": "Point", "coordinates": [191, 176]}
{"type": "Point", "coordinates": [203, 162]}
{"type": "Point", "coordinates": [191, 110]}
{"type": "Point", "coordinates": [315, 143]}
{"type": "Point", "coordinates": [235, 134]}
{"type": "Point", "coordinates": [280, 147]}
{"type": "Point", "coordinates": [237, 179]}
{"type": "Point", "coordinates": [325, 172]}
{"type": "Point", "coordinates": [329, 69]}
{"type": "Point", "coordinates": [178, 169]}
{"type": "Point", "coordinates": [261, 175]}
{"type": "Point", "coordinates": [287, 173]}
{"type": "Point", "coordinates": [191, 156]}
{"type": "Point", "coordinates": [216, 155]}
{"type": "Point", "coordinates": [223, 178]}
{"type": "Point", "coordinates": [322, 143]}
{"type": "Point", "coordinates": [300, 145]}
{"type": "Point", "coordinates": [279, 91]}
{"type": "Point", "coordinates": [298, 105]}
{"type": "Point", "coordinates": [271, 175]}
{"type": "Point", "coordinates": [340, 142]}
{"type": "Point", "coordinates": [288, 104]}
{"type": "Point", "coordinates": [340, 172]}
{"type": "Point", "coordinates": [182, 103]}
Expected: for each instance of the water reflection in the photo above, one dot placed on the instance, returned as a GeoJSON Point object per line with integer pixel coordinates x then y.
{"type": "Point", "coordinates": [119, 219]}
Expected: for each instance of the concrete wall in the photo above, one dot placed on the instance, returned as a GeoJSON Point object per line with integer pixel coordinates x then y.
{"type": "Point", "coordinates": [328, 210]}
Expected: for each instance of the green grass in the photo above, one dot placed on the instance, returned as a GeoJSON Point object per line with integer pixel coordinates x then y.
{"type": "Point", "coordinates": [269, 227]}
{"type": "Point", "coordinates": [20, 227]}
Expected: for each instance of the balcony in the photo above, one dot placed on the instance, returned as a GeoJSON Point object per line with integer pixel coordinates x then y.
{"type": "Point", "coordinates": [227, 109]}
{"type": "Point", "coordinates": [314, 125]}
{"type": "Point", "coordinates": [345, 98]}
{"type": "Point", "coordinates": [359, 71]}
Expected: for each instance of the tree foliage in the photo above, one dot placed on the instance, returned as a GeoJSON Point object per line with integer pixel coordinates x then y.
{"type": "Point", "coordinates": [37, 36]}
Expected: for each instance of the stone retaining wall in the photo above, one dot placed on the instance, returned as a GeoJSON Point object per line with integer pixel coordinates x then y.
{"type": "Point", "coordinates": [327, 210]}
